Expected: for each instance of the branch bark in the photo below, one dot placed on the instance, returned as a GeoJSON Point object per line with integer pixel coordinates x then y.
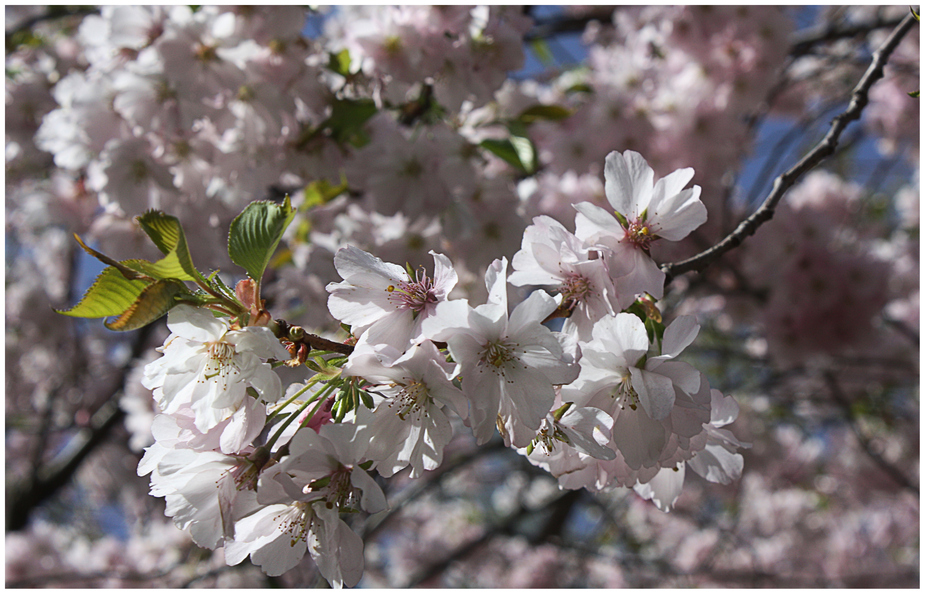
{"type": "Point", "coordinates": [24, 497]}
{"type": "Point", "coordinates": [890, 469]}
{"type": "Point", "coordinates": [825, 148]}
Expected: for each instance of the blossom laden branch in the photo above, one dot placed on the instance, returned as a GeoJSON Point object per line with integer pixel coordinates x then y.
{"type": "Point", "coordinates": [825, 148]}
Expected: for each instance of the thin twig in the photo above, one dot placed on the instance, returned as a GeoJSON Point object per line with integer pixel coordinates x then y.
{"type": "Point", "coordinates": [784, 182]}
{"type": "Point", "coordinates": [894, 472]}
{"type": "Point", "coordinates": [806, 40]}
{"type": "Point", "coordinates": [22, 498]}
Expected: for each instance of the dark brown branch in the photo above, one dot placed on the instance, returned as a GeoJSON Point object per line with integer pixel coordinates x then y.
{"type": "Point", "coordinates": [805, 41]}
{"type": "Point", "coordinates": [464, 550]}
{"type": "Point", "coordinates": [894, 472]}
{"type": "Point", "coordinates": [784, 182]}
{"type": "Point", "coordinates": [24, 497]}
{"type": "Point", "coordinates": [425, 484]}
{"type": "Point", "coordinates": [312, 340]}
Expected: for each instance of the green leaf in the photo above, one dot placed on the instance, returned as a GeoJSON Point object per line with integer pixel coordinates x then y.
{"type": "Point", "coordinates": [516, 150]}
{"type": "Point", "coordinates": [345, 124]}
{"type": "Point", "coordinates": [552, 113]}
{"type": "Point", "coordinates": [256, 232]}
{"type": "Point", "coordinates": [153, 302]}
{"type": "Point", "coordinates": [541, 50]}
{"type": "Point", "coordinates": [340, 62]}
{"type": "Point", "coordinates": [579, 88]}
{"type": "Point", "coordinates": [321, 192]}
{"type": "Point", "coordinates": [914, 94]}
{"type": "Point", "coordinates": [347, 118]}
{"type": "Point", "coordinates": [167, 234]}
{"type": "Point", "coordinates": [525, 152]}
{"type": "Point", "coordinates": [109, 295]}
{"type": "Point", "coordinates": [504, 149]}
{"type": "Point", "coordinates": [219, 285]}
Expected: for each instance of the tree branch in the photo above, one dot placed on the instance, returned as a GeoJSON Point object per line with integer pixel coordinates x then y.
{"type": "Point", "coordinates": [24, 497]}
{"type": "Point", "coordinates": [784, 182]}
{"type": "Point", "coordinates": [884, 464]}
{"type": "Point", "coordinates": [805, 41]}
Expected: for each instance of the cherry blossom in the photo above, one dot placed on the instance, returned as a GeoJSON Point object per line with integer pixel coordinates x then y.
{"type": "Point", "coordinates": [409, 425]}
{"type": "Point", "coordinates": [382, 301]}
{"type": "Point", "coordinates": [650, 210]}
{"type": "Point", "coordinates": [208, 366]}
{"type": "Point", "coordinates": [551, 256]}
{"type": "Point", "coordinates": [509, 361]}
{"type": "Point", "coordinates": [301, 496]}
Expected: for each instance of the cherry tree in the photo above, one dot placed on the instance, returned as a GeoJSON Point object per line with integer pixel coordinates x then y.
{"type": "Point", "coordinates": [455, 296]}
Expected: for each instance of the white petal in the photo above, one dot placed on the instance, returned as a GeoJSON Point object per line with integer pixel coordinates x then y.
{"type": "Point", "coordinates": [195, 324]}
{"type": "Point", "coordinates": [670, 185]}
{"type": "Point", "coordinates": [588, 430]}
{"type": "Point", "coordinates": [639, 438]}
{"type": "Point", "coordinates": [496, 282]}
{"type": "Point", "coordinates": [530, 312]}
{"type": "Point", "coordinates": [717, 464]}
{"type": "Point", "coordinates": [592, 221]}
{"type": "Point", "coordinates": [643, 276]}
{"type": "Point", "coordinates": [445, 277]}
{"type": "Point", "coordinates": [373, 499]}
{"type": "Point", "coordinates": [679, 335]}
{"type": "Point", "coordinates": [656, 392]}
{"type": "Point", "coordinates": [682, 374]}
{"type": "Point", "coordinates": [723, 409]}
{"type": "Point", "coordinates": [664, 489]}
{"type": "Point", "coordinates": [361, 268]}
{"type": "Point", "coordinates": [678, 215]}
{"type": "Point", "coordinates": [628, 182]}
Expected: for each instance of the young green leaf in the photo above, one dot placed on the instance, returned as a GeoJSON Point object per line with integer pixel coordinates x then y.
{"type": "Point", "coordinates": [516, 151]}
{"type": "Point", "coordinates": [321, 192]}
{"type": "Point", "coordinates": [167, 234]}
{"type": "Point", "coordinates": [553, 113]}
{"type": "Point", "coordinates": [109, 295]}
{"type": "Point", "coordinates": [152, 303]}
{"type": "Point", "coordinates": [256, 232]}
{"type": "Point", "coordinates": [340, 62]}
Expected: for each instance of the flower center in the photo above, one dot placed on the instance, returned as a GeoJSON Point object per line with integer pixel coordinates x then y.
{"type": "Point", "coordinates": [625, 394]}
{"type": "Point", "coordinates": [296, 520]}
{"type": "Point", "coordinates": [411, 399]}
{"type": "Point", "coordinates": [547, 438]}
{"type": "Point", "coordinates": [221, 361]}
{"type": "Point", "coordinates": [244, 474]}
{"type": "Point", "coordinates": [336, 490]}
{"type": "Point", "coordinates": [414, 295]}
{"type": "Point", "coordinates": [497, 354]}
{"type": "Point", "coordinates": [639, 234]}
{"type": "Point", "coordinates": [575, 287]}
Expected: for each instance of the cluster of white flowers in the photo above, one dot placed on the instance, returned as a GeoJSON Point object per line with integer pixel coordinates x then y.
{"type": "Point", "coordinates": [600, 404]}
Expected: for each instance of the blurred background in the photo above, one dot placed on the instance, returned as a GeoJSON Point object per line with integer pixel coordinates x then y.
{"type": "Point", "coordinates": [812, 324]}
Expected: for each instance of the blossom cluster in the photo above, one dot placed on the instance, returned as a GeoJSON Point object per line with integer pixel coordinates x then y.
{"type": "Point", "coordinates": [401, 130]}
{"type": "Point", "coordinates": [601, 403]}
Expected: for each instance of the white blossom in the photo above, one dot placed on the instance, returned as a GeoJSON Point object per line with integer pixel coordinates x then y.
{"type": "Point", "coordinates": [509, 362]}
{"type": "Point", "coordinates": [381, 300]}
{"type": "Point", "coordinates": [650, 209]}
{"type": "Point", "coordinates": [209, 367]}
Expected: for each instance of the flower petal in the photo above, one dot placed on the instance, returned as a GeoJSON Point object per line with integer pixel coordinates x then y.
{"type": "Point", "coordinates": [628, 182]}
{"type": "Point", "coordinates": [655, 391]}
